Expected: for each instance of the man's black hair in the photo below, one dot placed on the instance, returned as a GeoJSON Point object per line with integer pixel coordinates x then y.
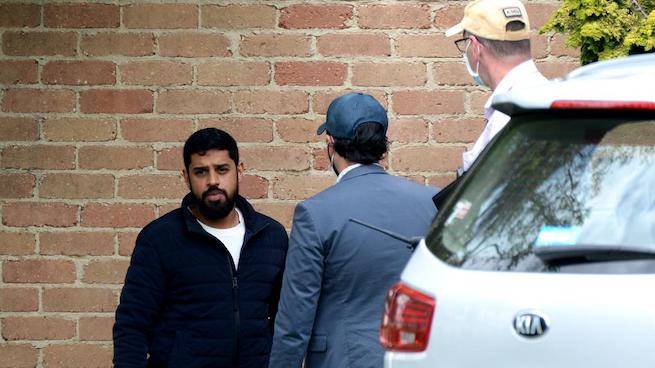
{"type": "Point", "coordinates": [207, 139]}
{"type": "Point", "coordinates": [368, 146]}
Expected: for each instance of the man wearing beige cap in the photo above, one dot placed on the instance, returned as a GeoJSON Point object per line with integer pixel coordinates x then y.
{"type": "Point", "coordinates": [495, 46]}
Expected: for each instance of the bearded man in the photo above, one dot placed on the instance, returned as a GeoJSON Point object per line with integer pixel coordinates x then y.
{"type": "Point", "coordinates": [204, 280]}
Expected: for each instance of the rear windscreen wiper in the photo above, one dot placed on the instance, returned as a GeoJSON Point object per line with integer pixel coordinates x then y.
{"type": "Point", "coordinates": [592, 253]}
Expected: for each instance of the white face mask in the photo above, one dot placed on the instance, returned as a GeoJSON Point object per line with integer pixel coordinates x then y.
{"type": "Point", "coordinates": [474, 74]}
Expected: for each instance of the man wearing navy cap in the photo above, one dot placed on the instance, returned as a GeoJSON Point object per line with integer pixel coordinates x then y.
{"type": "Point", "coordinates": [337, 270]}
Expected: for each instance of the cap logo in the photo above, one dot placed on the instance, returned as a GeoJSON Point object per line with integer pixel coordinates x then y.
{"type": "Point", "coordinates": [512, 12]}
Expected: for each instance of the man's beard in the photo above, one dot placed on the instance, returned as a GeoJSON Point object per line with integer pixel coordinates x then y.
{"type": "Point", "coordinates": [215, 210]}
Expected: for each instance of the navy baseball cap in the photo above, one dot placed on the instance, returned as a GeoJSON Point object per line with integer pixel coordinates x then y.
{"type": "Point", "coordinates": [349, 111]}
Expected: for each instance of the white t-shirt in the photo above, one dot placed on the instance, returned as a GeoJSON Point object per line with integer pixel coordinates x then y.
{"type": "Point", "coordinates": [232, 238]}
{"type": "Point", "coordinates": [524, 74]}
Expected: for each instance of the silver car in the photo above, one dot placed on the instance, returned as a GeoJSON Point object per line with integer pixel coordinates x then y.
{"type": "Point", "coordinates": [544, 253]}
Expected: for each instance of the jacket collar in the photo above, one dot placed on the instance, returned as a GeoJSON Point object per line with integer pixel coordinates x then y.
{"type": "Point", "coordinates": [362, 170]}
{"type": "Point", "coordinates": [254, 222]}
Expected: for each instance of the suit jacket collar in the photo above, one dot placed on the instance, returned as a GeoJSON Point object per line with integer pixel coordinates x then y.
{"type": "Point", "coordinates": [363, 170]}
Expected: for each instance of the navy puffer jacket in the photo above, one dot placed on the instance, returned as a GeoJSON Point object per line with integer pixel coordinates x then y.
{"type": "Point", "coordinates": [184, 304]}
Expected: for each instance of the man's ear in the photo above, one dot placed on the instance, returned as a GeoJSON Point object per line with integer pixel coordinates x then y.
{"type": "Point", "coordinates": [240, 170]}
{"type": "Point", "coordinates": [185, 175]}
{"type": "Point", "coordinates": [329, 139]}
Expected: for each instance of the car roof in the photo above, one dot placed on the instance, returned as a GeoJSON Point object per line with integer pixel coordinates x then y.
{"type": "Point", "coordinates": [630, 78]}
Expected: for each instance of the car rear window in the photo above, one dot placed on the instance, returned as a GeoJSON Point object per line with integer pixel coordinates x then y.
{"type": "Point", "coordinates": [549, 181]}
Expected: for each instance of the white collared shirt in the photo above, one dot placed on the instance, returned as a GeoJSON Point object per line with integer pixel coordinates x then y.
{"type": "Point", "coordinates": [346, 170]}
{"type": "Point", "coordinates": [524, 74]}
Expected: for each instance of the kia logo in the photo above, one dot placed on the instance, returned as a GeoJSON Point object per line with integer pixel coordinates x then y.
{"type": "Point", "coordinates": [530, 324]}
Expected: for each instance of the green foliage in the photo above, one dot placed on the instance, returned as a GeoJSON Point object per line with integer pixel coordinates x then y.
{"type": "Point", "coordinates": [605, 29]}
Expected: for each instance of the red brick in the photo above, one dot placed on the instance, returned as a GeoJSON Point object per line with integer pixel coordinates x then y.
{"type": "Point", "coordinates": [115, 157]}
{"type": "Point", "coordinates": [558, 47]}
{"type": "Point", "coordinates": [170, 159]}
{"type": "Point", "coordinates": [394, 16]}
{"type": "Point", "coordinates": [39, 43]}
{"type": "Point", "coordinates": [71, 129]}
{"type": "Point", "coordinates": [156, 130]}
{"type": "Point", "coordinates": [299, 130]}
{"type": "Point", "coordinates": [321, 100]}
{"type": "Point", "coordinates": [253, 187]}
{"type": "Point", "coordinates": [556, 69]}
{"type": "Point", "coordinates": [77, 243]}
{"type": "Point", "coordinates": [17, 185]}
{"type": "Point", "coordinates": [313, 73]}
{"type": "Point", "coordinates": [38, 100]}
{"type": "Point", "coordinates": [81, 15]}
{"type": "Point", "coordinates": [113, 101]}
{"type": "Point", "coordinates": [428, 102]}
{"type": "Point", "coordinates": [426, 45]}
{"type": "Point", "coordinates": [18, 71]}
{"type": "Point", "coordinates": [96, 328]}
{"type": "Point", "coordinates": [477, 101]}
{"type": "Point", "coordinates": [163, 209]}
{"type": "Point", "coordinates": [152, 186]}
{"type": "Point", "coordinates": [178, 101]}
{"type": "Point", "coordinates": [19, 299]}
{"type": "Point", "coordinates": [126, 243]}
{"type": "Point", "coordinates": [77, 356]}
{"type": "Point", "coordinates": [243, 129]}
{"type": "Point", "coordinates": [39, 214]}
{"type": "Point", "coordinates": [316, 16]}
{"type": "Point", "coordinates": [17, 244]}
{"type": "Point", "coordinates": [160, 16]}
{"type": "Point", "coordinates": [354, 44]}
{"type": "Point", "coordinates": [233, 73]}
{"type": "Point", "coordinates": [194, 44]}
{"type": "Point", "coordinates": [271, 102]}
{"type": "Point", "coordinates": [321, 160]}
{"type": "Point", "coordinates": [408, 130]}
{"type": "Point", "coordinates": [419, 179]}
{"type": "Point", "coordinates": [448, 16]}
{"type": "Point", "coordinates": [272, 44]}
{"type": "Point", "coordinates": [451, 73]}
{"type": "Point", "coordinates": [18, 129]}
{"type": "Point", "coordinates": [49, 271]}
{"type": "Point", "coordinates": [77, 186]}
{"type": "Point", "coordinates": [238, 16]}
{"type": "Point", "coordinates": [37, 328]}
{"type": "Point", "coordinates": [300, 187]}
{"type": "Point", "coordinates": [426, 158]}
{"type": "Point", "coordinates": [19, 15]}
{"type": "Point", "coordinates": [451, 131]}
{"type": "Point", "coordinates": [38, 157]}
{"type": "Point", "coordinates": [105, 271]}
{"type": "Point", "coordinates": [539, 45]}
{"type": "Point", "coordinates": [282, 212]}
{"type": "Point", "coordinates": [79, 300]}
{"type": "Point", "coordinates": [539, 14]}
{"type": "Point", "coordinates": [441, 181]}
{"type": "Point", "coordinates": [156, 73]}
{"type": "Point", "coordinates": [389, 74]}
{"type": "Point", "coordinates": [125, 44]}
{"type": "Point", "coordinates": [117, 214]}
{"type": "Point", "coordinates": [79, 72]}
{"type": "Point", "coordinates": [275, 158]}
{"type": "Point", "coordinates": [18, 355]}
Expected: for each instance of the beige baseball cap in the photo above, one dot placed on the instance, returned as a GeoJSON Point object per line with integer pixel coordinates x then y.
{"type": "Point", "coordinates": [489, 18]}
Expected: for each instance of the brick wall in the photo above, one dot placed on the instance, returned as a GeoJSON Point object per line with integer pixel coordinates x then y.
{"type": "Point", "coordinates": [97, 98]}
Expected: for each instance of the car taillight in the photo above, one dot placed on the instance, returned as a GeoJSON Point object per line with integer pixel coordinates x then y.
{"type": "Point", "coordinates": [407, 319]}
{"type": "Point", "coordinates": [617, 105]}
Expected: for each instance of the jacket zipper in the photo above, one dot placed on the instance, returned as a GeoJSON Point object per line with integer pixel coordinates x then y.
{"type": "Point", "coordinates": [235, 305]}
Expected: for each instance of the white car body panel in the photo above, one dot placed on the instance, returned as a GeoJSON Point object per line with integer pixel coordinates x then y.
{"type": "Point", "coordinates": [595, 320]}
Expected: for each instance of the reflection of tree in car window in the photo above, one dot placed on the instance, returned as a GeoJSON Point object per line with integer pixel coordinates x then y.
{"type": "Point", "coordinates": [552, 174]}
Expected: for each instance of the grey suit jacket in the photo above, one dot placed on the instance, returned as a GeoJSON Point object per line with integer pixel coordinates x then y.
{"type": "Point", "coordinates": [338, 272]}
